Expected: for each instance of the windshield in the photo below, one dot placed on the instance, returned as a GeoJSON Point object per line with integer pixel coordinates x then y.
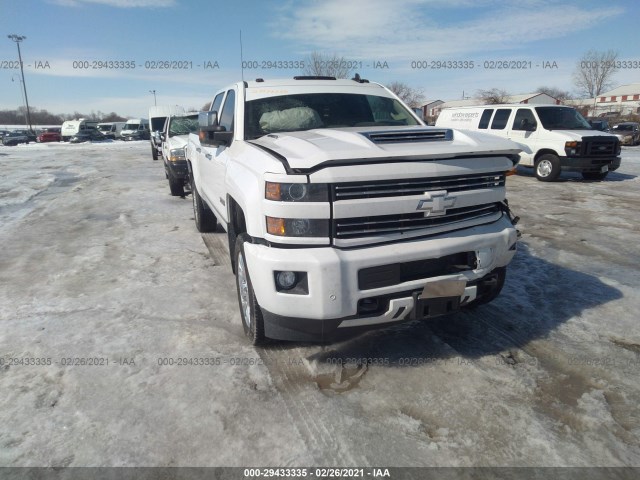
{"type": "Point", "coordinates": [131, 126]}
{"type": "Point", "coordinates": [562, 118]}
{"type": "Point", "coordinates": [623, 128]}
{"type": "Point", "coordinates": [289, 113]}
{"type": "Point", "coordinates": [104, 128]}
{"type": "Point", "coordinates": [183, 125]}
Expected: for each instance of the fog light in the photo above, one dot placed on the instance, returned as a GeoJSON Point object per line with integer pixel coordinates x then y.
{"type": "Point", "coordinates": [286, 280]}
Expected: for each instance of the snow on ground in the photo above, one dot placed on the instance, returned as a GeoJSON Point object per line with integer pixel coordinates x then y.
{"type": "Point", "coordinates": [101, 265]}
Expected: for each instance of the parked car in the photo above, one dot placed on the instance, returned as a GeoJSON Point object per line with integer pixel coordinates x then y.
{"type": "Point", "coordinates": [49, 135]}
{"type": "Point", "coordinates": [600, 124]}
{"type": "Point", "coordinates": [19, 136]}
{"type": "Point", "coordinates": [90, 135]}
{"type": "Point", "coordinates": [174, 140]}
{"type": "Point", "coordinates": [3, 133]}
{"type": "Point", "coordinates": [627, 132]}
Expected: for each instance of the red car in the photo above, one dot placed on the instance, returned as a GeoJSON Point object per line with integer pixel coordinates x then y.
{"type": "Point", "coordinates": [49, 135]}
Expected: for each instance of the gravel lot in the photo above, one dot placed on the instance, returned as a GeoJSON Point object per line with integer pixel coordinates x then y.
{"type": "Point", "coordinates": [105, 286]}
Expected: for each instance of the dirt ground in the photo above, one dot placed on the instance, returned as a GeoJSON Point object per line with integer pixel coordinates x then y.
{"type": "Point", "coordinates": [121, 342]}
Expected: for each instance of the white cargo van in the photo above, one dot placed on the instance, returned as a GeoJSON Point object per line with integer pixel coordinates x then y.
{"type": "Point", "coordinates": [73, 127]}
{"type": "Point", "coordinates": [135, 129]}
{"type": "Point", "coordinates": [553, 138]}
{"type": "Point", "coordinates": [111, 129]}
{"type": "Point", "coordinates": [157, 116]}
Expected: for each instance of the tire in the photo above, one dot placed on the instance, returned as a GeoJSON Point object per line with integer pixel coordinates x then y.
{"type": "Point", "coordinates": [176, 185]}
{"type": "Point", "coordinates": [547, 167]}
{"type": "Point", "coordinates": [205, 219]}
{"type": "Point", "coordinates": [250, 312]}
{"type": "Point", "coordinates": [594, 175]}
{"type": "Point", "coordinates": [154, 152]}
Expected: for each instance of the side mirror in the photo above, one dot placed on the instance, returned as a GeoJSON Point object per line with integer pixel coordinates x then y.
{"type": "Point", "coordinates": [210, 132]}
{"type": "Point", "coordinates": [163, 137]}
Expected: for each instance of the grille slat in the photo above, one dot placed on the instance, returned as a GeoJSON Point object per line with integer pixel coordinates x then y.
{"type": "Point", "coordinates": [367, 226]}
{"type": "Point", "coordinates": [361, 190]}
{"type": "Point", "coordinates": [409, 136]}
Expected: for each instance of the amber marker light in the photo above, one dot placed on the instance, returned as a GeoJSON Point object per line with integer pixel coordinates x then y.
{"type": "Point", "coordinates": [272, 191]}
{"type": "Point", "coordinates": [275, 226]}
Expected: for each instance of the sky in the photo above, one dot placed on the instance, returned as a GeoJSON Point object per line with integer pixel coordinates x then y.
{"type": "Point", "coordinates": [72, 47]}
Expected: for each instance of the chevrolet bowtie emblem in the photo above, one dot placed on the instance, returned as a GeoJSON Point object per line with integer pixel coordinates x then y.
{"type": "Point", "coordinates": [436, 203]}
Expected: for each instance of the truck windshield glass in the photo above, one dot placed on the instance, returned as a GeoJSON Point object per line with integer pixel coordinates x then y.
{"type": "Point", "coordinates": [561, 118]}
{"type": "Point", "coordinates": [183, 125]}
{"type": "Point", "coordinates": [290, 113]}
{"type": "Point", "coordinates": [104, 128]}
{"type": "Point", "coordinates": [132, 126]}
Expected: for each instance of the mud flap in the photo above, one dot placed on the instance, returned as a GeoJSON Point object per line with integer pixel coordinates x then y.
{"type": "Point", "coordinates": [438, 298]}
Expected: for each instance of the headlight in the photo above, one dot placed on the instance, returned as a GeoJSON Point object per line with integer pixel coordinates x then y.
{"type": "Point", "coordinates": [176, 154]}
{"type": "Point", "coordinates": [572, 148]}
{"type": "Point", "coordinates": [298, 227]}
{"type": "Point", "coordinates": [297, 192]}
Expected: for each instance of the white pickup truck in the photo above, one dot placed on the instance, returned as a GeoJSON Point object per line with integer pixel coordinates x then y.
{"type": "Point", "coordinates": [343, 211]}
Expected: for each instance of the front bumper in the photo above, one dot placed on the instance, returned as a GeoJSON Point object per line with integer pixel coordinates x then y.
{"type": "Point", "coordinates": [589, 164]}
{"type": "Point", "coordinates": [333, 302]}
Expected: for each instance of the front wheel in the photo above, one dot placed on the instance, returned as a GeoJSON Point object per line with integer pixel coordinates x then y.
{"type": "Point", "coordinates": [176, 185]}
{"type": "Point", "coordinates": [154, 152]}
{"type": "Point", "coordinates": [547, 168]}
{"type": "Point", "coordinates": [250, 313]}
{"type": "Point", "coordinates": [594, 175]}
{"type": "Point", "coordinates": [205, 219]}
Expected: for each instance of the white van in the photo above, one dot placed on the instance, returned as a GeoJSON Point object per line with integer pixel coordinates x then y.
{"type": "Point", "coordinates": [73, 127]}
{"type": "Point", "coordinates": [157, 116]}
{"type": "Point", "coordinates": [135, 129]}
{"type": "Point", "coordinates": [111, 129]}
{"type": "Point", "coordinates": [553, 138]}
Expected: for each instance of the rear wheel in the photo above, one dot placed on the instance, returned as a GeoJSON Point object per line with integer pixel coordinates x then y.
{"type": "Point", "coordinates": [205, 219]}
{"type": "Point", "coordinates": [547, 168]}
{"type": "Point", "coordinates": [594, 175]}
{"type": "Point", "coordinates": [250, 313]}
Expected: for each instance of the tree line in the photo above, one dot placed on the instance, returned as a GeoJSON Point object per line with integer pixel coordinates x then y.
{"type": "Point", "coordinates": [44, 117]}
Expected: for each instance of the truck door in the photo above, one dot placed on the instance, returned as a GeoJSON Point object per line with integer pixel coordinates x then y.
{"type": "Point", "coordinates": [523, 130]}
{"type": "Point", "coordinates": [214, 159]}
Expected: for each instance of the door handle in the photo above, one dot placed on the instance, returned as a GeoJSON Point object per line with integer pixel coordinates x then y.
{"type": "Point", "coordinates": [208, 156]}
{"type": "Point", "coordinates": [198, 149]}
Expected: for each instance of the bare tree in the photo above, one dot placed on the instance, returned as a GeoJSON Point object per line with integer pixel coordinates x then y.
{"type": "Point", "coordinates": [594, 72]}
{"type": "Point", "coordinates": [409, 95]}
{"type": "Point", "coordinates": [493, 96]}
{"type": "Point", "coordinates": [206, 107]}
{"type": "Point", "coordinates": [324, 65]}
{"type": "Point", "coordinates": [556, 93]}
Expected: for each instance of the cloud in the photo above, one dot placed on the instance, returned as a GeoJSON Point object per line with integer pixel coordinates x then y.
{"type": "Point", "coordinates": [118, 3]}
{"type": "Point", "coordinates": [379, 29]}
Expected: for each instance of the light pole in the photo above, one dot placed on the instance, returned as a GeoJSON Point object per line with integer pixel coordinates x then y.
{"type": "Point", "coordinates": [21, 94]}
{"type": "Point", "coordinates": [154, 97]}
{"type": "Point", "coordinates": [18, 39]}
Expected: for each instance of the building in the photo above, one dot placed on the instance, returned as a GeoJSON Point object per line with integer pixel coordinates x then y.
{"type": "Point", "coordinates": [622, 100]}
{"type": "Point", "coordinates": [429, 106]}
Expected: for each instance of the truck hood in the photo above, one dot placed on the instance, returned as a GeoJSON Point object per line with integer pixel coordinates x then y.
{"type": "Point", "coordinates": [307, 149]}
{"type": "Point", "coordinates": [177, 141]}
{"type": "Point", "coordinates": [578, 134]}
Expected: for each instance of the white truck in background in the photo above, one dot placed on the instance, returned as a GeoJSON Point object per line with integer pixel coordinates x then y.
{"type": "Point", "coordinates": [135, 129]}
{"type": "Point", "coordinates": [111, 130]}
{"type": "Point", "coordinates": [158, 114]}
{"type": "Point", "coordinates": [553, 138]}
{"type": "Point", "coordinates": [343, 211]}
